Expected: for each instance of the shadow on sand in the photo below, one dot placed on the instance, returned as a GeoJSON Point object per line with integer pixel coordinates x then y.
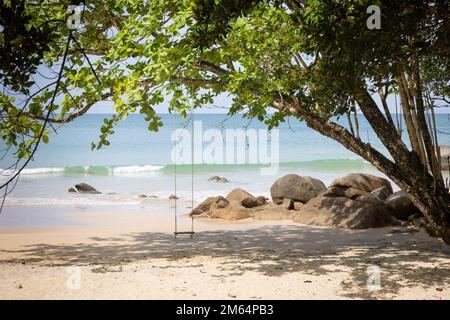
{"type": "Point", "coordinates": [404, 259]}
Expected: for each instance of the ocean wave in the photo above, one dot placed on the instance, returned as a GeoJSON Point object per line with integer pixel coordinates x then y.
{"type": "Point", "coordinates": [136, 169]}
{"type": "Point", "coordinates": [314, 165]}
{"type": "Point", "coordinates": [87, 170]}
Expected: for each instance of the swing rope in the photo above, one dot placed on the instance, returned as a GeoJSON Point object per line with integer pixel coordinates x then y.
{"type": "Point", "coordinates": [176, 232]}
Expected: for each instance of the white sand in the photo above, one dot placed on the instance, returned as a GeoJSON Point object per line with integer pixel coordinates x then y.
{"type": "Point", "coordinates": [128, 256]}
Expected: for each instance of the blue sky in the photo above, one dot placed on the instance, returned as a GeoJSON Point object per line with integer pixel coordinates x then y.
{"type": "Point", "coordinates": [224, 101]}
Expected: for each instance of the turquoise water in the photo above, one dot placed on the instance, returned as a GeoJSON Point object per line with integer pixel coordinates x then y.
{"type": "Point", "coordinates": [138, 161]}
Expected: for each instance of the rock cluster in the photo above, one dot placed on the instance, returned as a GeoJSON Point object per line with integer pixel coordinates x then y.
{"type": "Point", "coordinates": [355, 201]}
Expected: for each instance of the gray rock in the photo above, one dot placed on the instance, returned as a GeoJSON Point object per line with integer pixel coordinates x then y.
{"type": "Point", "coordinates": [173, 197]}
{"type": "Point", "coordinates": [296, 188]}
{"type": "Point", "coordinates": [72, 189]}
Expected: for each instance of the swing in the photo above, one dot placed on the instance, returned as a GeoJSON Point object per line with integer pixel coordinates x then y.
{"type": "Point", "coordinates": [176, 232]}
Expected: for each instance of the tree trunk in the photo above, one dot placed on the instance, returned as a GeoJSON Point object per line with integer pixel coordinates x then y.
{"type": "Point", "coordinates": [410, 175]}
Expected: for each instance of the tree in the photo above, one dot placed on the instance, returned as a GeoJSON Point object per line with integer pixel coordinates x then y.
{"type": "Point", "coordinates": [309, 59]}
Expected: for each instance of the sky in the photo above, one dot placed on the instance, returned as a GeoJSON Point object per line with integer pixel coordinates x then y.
{"type": "Point", "coordinates": [224, 101]}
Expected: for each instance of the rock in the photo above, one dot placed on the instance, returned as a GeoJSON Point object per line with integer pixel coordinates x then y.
{"type": "Point", "coordinates": [288, 203]}
{"type": "Point", "coordinates": [249, 202]}
{"type": "Point", "coordinates": [298, 206]}
{"type": "Point", "coordinates": [173, 197]}
{"type": "Point", "coordinates": [72, 189]}
{"type": "Point", "coordinates": [381, 193]}
{"type": "Point", "coordinates": [415, 216]}
{"type": "Point", "coordinates": [260, 201]}
{"type": "Point", "coordinates": [86, 188]}
{"type": "Point", "coordinates": [197, 211]}
{"type": "Point", "coordinates": [297, 188]}
{"type": "Point", "coordinates": [400, 205]}
{"type": "Point", "coordinates": [205, 206]}
{"type": "Point", "coordinates": [362, 181]}
{"type": "Point", "coordinates": [235, 211]}
{"type": "Point", "coordinates": [351, 193]}
{"type": "Point", "coordinates": [344, 213]}
{"type": "Point", "coordinates": [219, 203]}
{"type": "Point", "coordinates": [218, 179]}
{"type": "Point", "coordinates": [238, 194]}
{"type": "Point", "coordinates": [376, 202]}
{"type": "Point", "coordinates": [142, 196]}
{"type": "Point", "coordinates": [354, 193]}
{"type": "Point", "coordinates": [333, 192]}
{"type": "Point", "coordinates": [422, 222]}
{"type": "Point", "coordinates": [272, 211]}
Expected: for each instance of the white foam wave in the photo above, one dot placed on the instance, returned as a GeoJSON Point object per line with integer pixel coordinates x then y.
{"type": "Point", "coordinates": [121, 170]}
{"type": "Point", "coordinates": [136, 169]}
{"type": "Point", "coordinates": [33, 171]}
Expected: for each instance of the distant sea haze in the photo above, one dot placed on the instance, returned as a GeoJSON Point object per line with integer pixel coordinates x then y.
{"type": "Point", "coordinates": [139, 161]}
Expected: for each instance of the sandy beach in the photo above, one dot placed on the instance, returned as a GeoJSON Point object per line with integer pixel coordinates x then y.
{"type": "Point", "coordinates": [113, 253]}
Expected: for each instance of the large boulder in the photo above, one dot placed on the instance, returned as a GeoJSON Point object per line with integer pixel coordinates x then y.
{"type": "Point", "coordinates": [362, 181]}
{"type": "Point", "coordinates": [234, 211]}
{"type": "Point", "coordinates": [400, 205]}
{"type": "Point", "coordinates": [297, 188]}
{"type": "Point", "coordinates": [209, 203]}
{"type": "Point", "coordinates": [345, 213]}
{"type": "Point", "coordinates": [86, 188]}
{"type": "Point", "coordinates": [238, 194]}
{"type": "Point", "coordinates": [272, 211]}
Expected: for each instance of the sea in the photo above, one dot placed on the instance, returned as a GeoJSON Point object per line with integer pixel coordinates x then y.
{"type": "Point", "coordinates": [138, 161]}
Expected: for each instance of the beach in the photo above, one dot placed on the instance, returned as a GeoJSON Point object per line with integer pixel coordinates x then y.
{"type": "Point", "coordinates": [110, 252]}
{"type": "Point", "coordinates": [118, 243]}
